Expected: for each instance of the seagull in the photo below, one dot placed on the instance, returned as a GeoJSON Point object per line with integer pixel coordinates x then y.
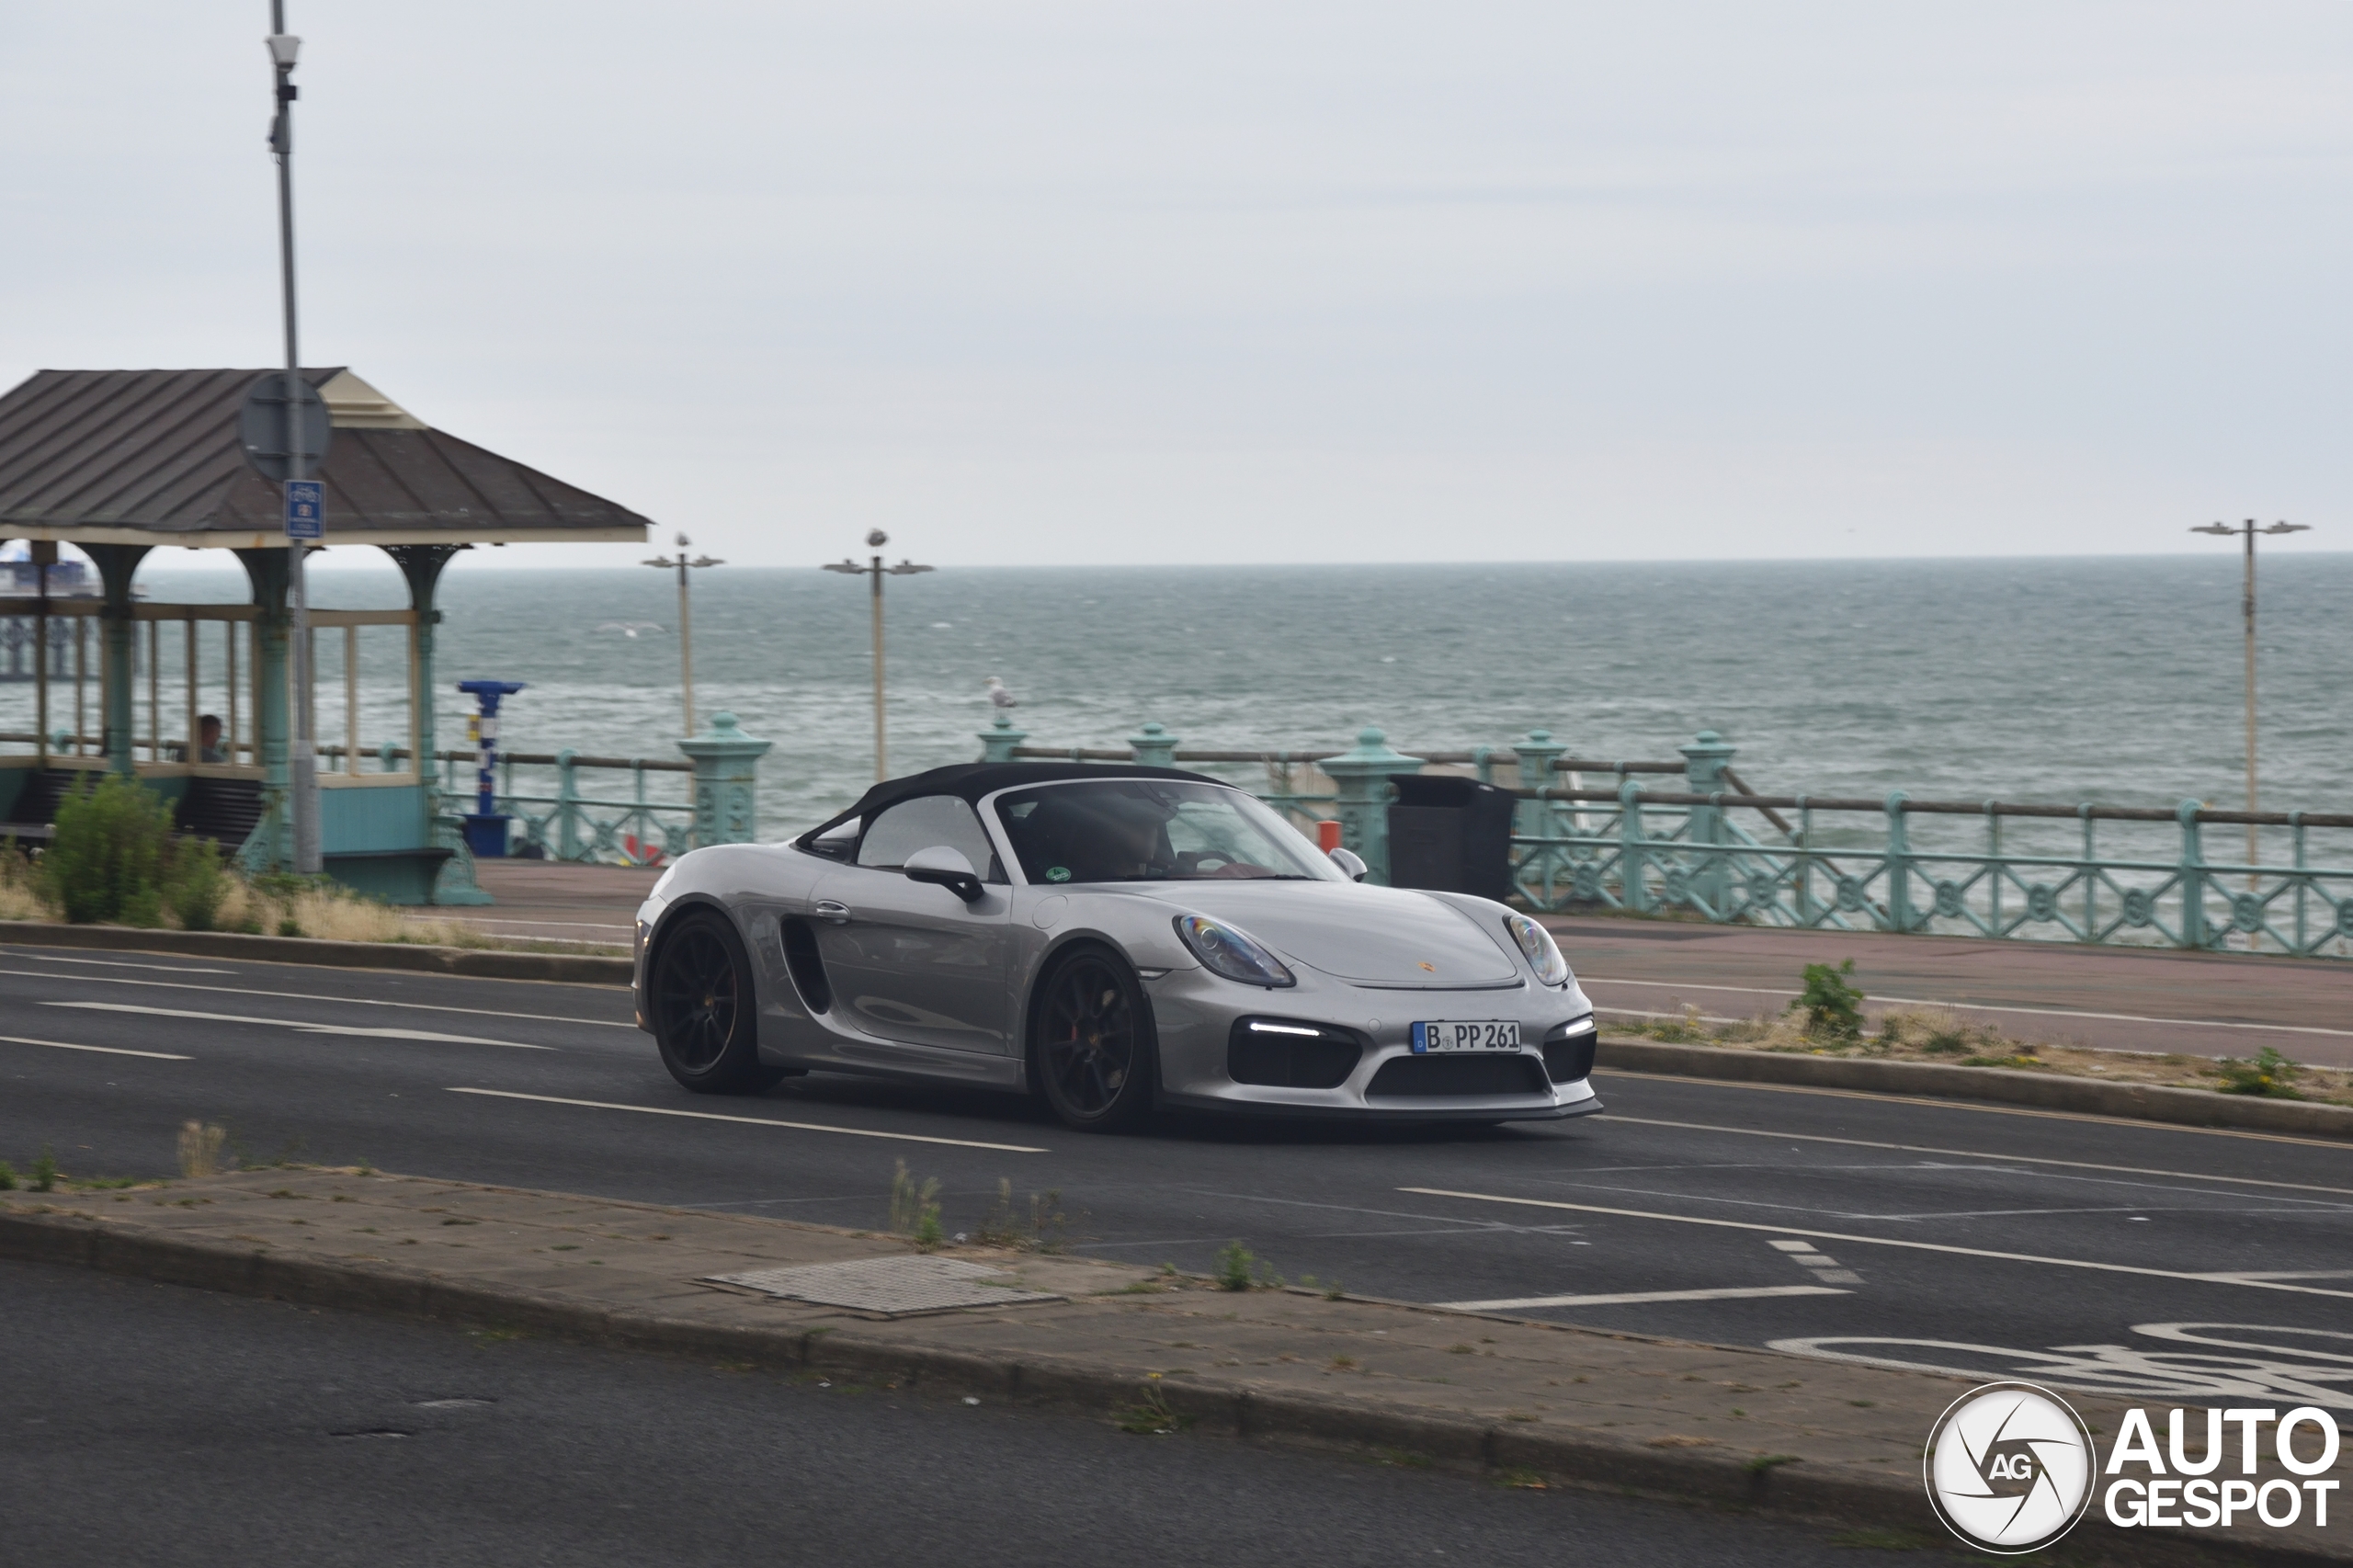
{"type": "Point", "coordinates": [629, 627]}
{"type": "Point", "coordinates": [998, 696]}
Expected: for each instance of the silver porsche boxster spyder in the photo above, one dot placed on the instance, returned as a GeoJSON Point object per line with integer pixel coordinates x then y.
{"type": "Point", "coordinates": [1110, 939]}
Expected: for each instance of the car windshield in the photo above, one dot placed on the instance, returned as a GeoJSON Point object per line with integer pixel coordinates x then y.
{"type": "Point", "coordinates": [1150, 830]}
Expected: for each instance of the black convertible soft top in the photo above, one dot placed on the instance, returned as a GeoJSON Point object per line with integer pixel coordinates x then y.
{"type": "Point", "coordinates": [972, 780]}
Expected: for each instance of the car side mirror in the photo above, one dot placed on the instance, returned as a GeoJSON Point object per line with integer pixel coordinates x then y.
{"type": "Point", "coordinates": [948, 868]}
{"type": "Point", "coordinates": [1351, 864]}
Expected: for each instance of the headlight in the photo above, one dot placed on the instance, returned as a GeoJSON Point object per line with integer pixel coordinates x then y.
{"type": "Point", "coordinates": [1543, 954]}
{"type": "Point", "coordinates": [1227, 951]}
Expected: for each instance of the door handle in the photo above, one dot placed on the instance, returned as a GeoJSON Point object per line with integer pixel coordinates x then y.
{"type": "Point", "coordinates": [833, 911]}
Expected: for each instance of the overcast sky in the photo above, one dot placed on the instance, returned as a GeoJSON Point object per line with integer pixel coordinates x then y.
{"type": "Point", "coordinates": [1225, 282]}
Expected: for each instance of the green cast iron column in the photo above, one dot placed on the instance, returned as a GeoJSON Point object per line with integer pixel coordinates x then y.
{"type": "Point", "coordinates": [1360, 780]}
{"type": "Point", "coordinates": [1705, 757]}
{"type": "Point", "coordinates": [271, 847]}
{"type": "Point", "coordinates": [727, 772]}
{"type": "Point", "coordinates": [2192, 875]}
{"type": "Point", "coordinates": [118, 682]}
{"type": "Point", "coordinates": [1152, 747]}
{"type": "Point", "coordinates": [1899, 864]}
{"type": "Point", "coordinates": [421, 565]}
{"type": "Point", "coordinates": [999, 739]}
{"type": "Point", "coordinates": [1536, 817]}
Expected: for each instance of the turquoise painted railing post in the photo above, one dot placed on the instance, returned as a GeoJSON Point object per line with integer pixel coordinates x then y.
{"type": "Point", "coordinates": [1361, 783]}
{"type": "Point", "coordinates": [2192, 876]}
{"type": "Point", "coordinates": [1899, 865]}
{"type": "Point", "coordinates": [1705, 757]}
{"type": "Point", "coordinates": [1152, 747]}
{"type": "Point", "coordinates": [1535, 754]}
{"type": "Point", "coordinates": [1807, 913]}
{"type": "Point", "coordinates": [567, 806]}
{"type": "Point", "coordinates": [1634, 890]}
{"type": "Point", "coordinates": [727, 773]}
{"type": "Point", "coordinates": [999, 739]}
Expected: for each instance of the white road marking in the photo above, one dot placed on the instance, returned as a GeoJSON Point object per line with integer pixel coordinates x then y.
{"type": "Point", "coordinates": [103, 1050]}
{"type": "Point", "coordinates": [2238, 1279]}
{"type": "Point", "coordinates": [1967, 1155]}
{"type": "Point", "coordinates": [1631, 1298]}
{"type": "Point", "coordinates": [757, 1121]}
{"type": "Point", "coordinates": [2117, 1122]}
{"type": "Point", "coordinates": [299, 1026]}
{"type": "Point", "coordinates": [1989, 1008]}
{"type": "Point", "coordinates": [313, 996]}
{"type": "Point", "coordinates": [120, 963]}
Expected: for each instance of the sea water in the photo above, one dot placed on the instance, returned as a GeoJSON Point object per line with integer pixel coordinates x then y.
{"type": "Point", "coordinates": [2116, 680]}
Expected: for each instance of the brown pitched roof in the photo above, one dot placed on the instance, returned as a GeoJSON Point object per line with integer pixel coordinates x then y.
{"type": "Point", "coordinates": [141, 457]}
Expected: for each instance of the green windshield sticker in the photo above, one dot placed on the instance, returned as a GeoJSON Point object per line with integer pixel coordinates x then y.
{"type": "Point", "coordinates": [1058, 873]}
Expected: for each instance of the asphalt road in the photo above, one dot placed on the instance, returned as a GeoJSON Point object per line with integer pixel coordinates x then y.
{"type": "Point", "coordinates": [2132, 1257]}
{"type": "Point", "coordinates": [145, 1424]}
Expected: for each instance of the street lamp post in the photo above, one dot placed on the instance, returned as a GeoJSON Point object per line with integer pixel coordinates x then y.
{"type": "Point", "coordinates": [686, 619]}
{"type": "Point", "coordinates": [2248, 531]}
{"type": "Point", "coordinates": [303, 765]}
{"type": "Point", "coordinates": [875, 571]}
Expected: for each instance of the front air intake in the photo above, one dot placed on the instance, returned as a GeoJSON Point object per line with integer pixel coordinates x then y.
{"type": "Point", "coordinates": [1413, 1077]}
{"type": "Point", "coordinates": [1569, 1056]}
{"type": "Point", "coordinates": [1283, 1054]}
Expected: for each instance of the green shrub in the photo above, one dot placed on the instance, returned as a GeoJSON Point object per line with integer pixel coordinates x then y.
{"type": "Point", "coordinates": [1832, 1008]}
{"type": "Point", "coordinates": [107, 857]}
{"type": "Point", "coordinates": [196, 884]}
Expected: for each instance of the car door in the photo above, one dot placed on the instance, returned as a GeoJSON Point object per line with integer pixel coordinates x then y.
{"type": "Point", "coordinates": [911, 962]}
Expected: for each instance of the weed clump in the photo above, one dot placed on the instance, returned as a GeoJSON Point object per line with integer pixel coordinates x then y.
{"type": "Point", "coordinates": [45, 1171]}
{"type": "Point", "coordinates": [201, 1149]}
{"type": "Point", "coordinates": [2270, 1073]}
{"type": "Point", "coordinates": [915, 1208]}
{"type": "Point", "coordinates": [1833, 1009]}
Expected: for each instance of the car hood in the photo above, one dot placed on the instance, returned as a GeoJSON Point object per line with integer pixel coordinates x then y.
{"type": "Point", "coordinates": [1391, 937]}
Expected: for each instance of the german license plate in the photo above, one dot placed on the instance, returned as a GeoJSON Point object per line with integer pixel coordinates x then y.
{"type": "Point", "coordinates": [1486, 1035]}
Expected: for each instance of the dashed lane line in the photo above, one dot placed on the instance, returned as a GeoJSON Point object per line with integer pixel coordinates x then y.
{"type": "Point", "coordinates": [1968, 1155]}
{"type": "Point", "coordinates": [1635, 1297]}
{"type": "Point", "coordinates": [2119, 1123]}
{"type": "Point", "coordinates": [2215, 1279]}
{"type": "Point", "coordinates": [300, 1026]}
{"type": "Point", "coordinates": [313, 996]}
{"type": "Point", "coordinates": [102, 1049]}
{"type": "Point", "coordinates": [1990, 1007]}
{"type": "Point", "coordinates": [757, 1121]}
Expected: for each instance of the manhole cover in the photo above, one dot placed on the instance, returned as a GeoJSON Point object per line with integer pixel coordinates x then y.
{"type": "Point", "coordinates": [896, 1286]}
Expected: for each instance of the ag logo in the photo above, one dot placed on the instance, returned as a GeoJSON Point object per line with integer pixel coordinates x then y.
{"type": "Point", "coordinates": [2009, 1468]}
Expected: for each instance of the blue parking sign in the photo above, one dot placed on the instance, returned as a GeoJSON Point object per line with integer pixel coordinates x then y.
{"type": "Point", "coordinates": [306, 506]}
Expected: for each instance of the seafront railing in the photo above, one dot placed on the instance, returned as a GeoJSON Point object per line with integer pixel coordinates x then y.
{"type": "Point", "coordinates": [1716, 850]}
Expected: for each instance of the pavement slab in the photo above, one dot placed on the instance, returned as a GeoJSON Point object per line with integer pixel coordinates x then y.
{"type": "Point", "coordinates": [1164, 1350]}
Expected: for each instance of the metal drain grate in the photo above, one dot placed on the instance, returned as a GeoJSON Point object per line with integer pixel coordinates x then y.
{"type": "Point", "coordinates": [895, 1287]}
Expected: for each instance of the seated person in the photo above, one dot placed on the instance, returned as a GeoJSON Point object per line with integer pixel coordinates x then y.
{"type": "Point", "coordinates": [208, 743]}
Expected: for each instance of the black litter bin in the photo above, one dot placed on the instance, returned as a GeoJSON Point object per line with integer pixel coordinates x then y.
{"type": "Point", "coordinates": [1451, 835]}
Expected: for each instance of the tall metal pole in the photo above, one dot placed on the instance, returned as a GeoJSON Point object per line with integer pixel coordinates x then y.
{"type": "Point", "coordinates": [686, 639]}
{"type": "Point", "coordinates": [302, 764]}
{"type": "Point", "coordinates": [2253, 844]}
{"type": "Point", "coordinates": [2246, 532]}
{"type": "Point", "coordinates": [881, 750]}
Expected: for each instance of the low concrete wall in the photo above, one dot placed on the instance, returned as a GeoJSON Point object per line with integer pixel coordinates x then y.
{"type": "Point", "coordinates": [2046, 1091]}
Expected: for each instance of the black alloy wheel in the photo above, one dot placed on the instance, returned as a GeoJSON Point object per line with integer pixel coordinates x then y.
{"type": "Point", "coordinates": [1093, 1048]}
{"type": "Point", "coordinates": [700, 997]}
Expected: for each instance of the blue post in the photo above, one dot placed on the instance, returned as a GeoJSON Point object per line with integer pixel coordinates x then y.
{"type": "Point", "coordinates": [1634, 889]}
{"type": "Point", "coordinates": [1361, 783]}
{"type": "Point", "coordinates": [999, 739]}
{"type": "Point", "coordinates": [1704, 761]}
{"type": "Point", "coordinates": [2193, 876]}
{"type": "Point", "coordinates": [727, 773]}
{"type": "Point", "coordinates": [1152, 747]}
{"type": "Point", "coordinates": [1899, 865]}
{"type": "Point", "coordinates": [487, 828]}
